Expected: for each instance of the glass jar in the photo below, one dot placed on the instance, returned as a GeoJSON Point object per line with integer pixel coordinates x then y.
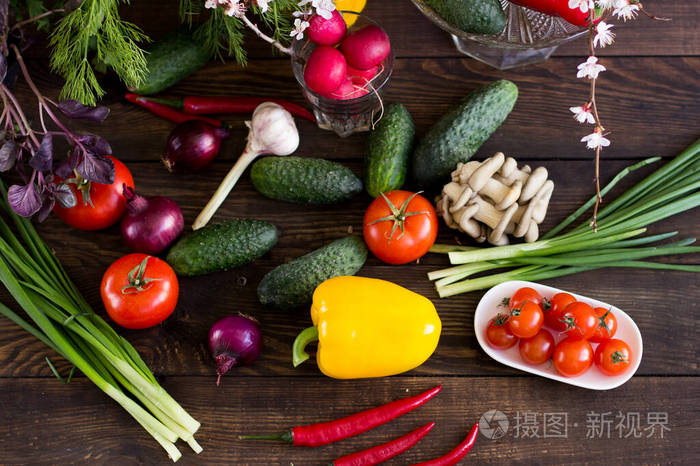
{"type": "Point", "coordinates": [344, 117]}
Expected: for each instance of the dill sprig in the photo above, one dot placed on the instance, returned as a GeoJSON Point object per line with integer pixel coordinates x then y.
{"type": "Point", "coordinates": [95, 27]}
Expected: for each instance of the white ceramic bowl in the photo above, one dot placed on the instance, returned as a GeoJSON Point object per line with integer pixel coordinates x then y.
{"type": "Point", "coordinates": [627, 330]}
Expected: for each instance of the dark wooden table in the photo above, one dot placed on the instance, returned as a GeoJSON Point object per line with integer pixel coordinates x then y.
{"type": "Point", "coordinates": [650, 101]}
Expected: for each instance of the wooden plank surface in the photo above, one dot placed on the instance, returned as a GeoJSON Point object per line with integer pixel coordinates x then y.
{"type": "Point", "coordinates": [648, 99]}
{"type": "Point", "coordinates": [99, 431]}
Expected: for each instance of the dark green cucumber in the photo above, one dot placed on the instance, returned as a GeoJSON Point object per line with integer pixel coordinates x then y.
{"type": "Point", "coordinates": [459, 133]}
{"type": "Point", "coordinates": [292, 285]}
{"type": "Point", "coordinates": [222, 246]}
{"type": "Point", "coordinates": [171, 59]}
{"type": "Point", "coordinates": [474, 16]}
{"type": "Point", "coordinates": [304, 180]}
{"type": "Point", "coordinates": [388, 151]}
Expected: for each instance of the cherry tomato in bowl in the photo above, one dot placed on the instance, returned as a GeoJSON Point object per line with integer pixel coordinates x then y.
{"type": "Point", "coordinates": [538, 349]}
{"type": "Point", "coordinates": [98, 205]}
{"type": "Point", "coordinates": [523, 294]}
{"type": "Point", "coordinates": [526, 320]}
{"type": "Point", "coordinates": [400, 226]}
{"type": "Point", "coordinates": [613, 357]}
{"type": "Point", "coordinates": [580, 320]}
{"type": "Point", "coordinates": [607, 325]}
{"type": "Point", "coordinates": [572, 356]}
{"type": "Point", "coordinates": [498, 334]}
{"type": "Point", "coordinates": [139, 291]}
{"type": "Point", "coordinates": [554, 308]}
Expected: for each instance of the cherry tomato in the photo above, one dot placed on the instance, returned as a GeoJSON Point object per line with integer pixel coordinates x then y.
{"type": "Point", "coordinates": [554, 308]}
{"type": "Point", "coordinates": [580, 320]}
{"type": "Point", "coordinates": [498, 334]}
{"type": "Point", "coordinates": [526, 320]}
{"type": "Point", "coordinates": [139, 291]}
{"type": "Point", "coordinates": [400, 226]}
{"type": "Point", "coordinates": [106, 206]}
{"type": "Point", "coordinates": [607, 325]}
{"type": "Point", "coordinates": [613, 357]}
{"type": "Point", "coordinates": [572, 356]}
{"type": "Point", "coordinates": [538, 349]}
{"type": "Point", "coordinates": [524, 294]}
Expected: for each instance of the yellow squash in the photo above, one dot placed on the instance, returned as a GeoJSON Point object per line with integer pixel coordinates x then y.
{"type": "Point", "coordinates": [368, 328]}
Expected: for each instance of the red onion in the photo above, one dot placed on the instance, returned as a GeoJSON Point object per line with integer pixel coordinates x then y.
{"type": "Point", "coordinates": [192, 145]}
{"type": "Point", "coordinates": [150, 224]}
{"type": "Point", "coordinates": [234, 341]}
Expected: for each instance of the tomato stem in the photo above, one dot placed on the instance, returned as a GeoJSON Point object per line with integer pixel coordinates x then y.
{"type": "Point", "coordinates": [137, 280]}
{"type": "Point", "coordinates": [398, 216]}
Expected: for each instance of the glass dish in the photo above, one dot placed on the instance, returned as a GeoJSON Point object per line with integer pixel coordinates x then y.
{"type": "Point", "coordinates": [528, 37]}
{"type": "Point", "coordinates": [344, 117]}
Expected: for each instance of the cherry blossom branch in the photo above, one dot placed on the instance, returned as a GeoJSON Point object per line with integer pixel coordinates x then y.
{"type": "Point", "coordinates": [37, 17]}
{"type": "Point", "coordinates": [265, 37]}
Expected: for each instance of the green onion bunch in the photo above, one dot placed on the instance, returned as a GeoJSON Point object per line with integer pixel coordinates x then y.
{"type": "Point", "coordinates": [672, 189]}
{"type": "Point", "coordinates": [61, 318]}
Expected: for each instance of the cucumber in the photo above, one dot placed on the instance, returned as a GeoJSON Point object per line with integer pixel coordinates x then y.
{"type": "Point", "coordinates": [292, 285]}
{"type": "Point", "coordinates": [459, 133]}
{"type": "Point", "coordinates": [474, 16]}
{"type": "Point", "coordinates": [222, 246]}
{"type": "Point", "coordinates": [171, 59]}
{"type": "Point", "coordinates": [389, 150]}
{"type": "Point", "coordinates": [304, 180]}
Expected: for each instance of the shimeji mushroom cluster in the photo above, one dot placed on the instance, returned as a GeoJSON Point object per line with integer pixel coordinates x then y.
{"type": "Point", "coordinates": [491, 199]}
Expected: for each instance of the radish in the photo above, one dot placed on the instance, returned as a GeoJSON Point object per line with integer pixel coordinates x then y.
{"type": "Point", "coordinates": [347, 90]}
{"type": "Point", "coordinates": [361, 77]}
{"type": "Point", "coordinates": [366, 47]}
{"type": "Point", "coordinates": [325, 69]}
{"type": "Point", "coordinates": [323, 31]}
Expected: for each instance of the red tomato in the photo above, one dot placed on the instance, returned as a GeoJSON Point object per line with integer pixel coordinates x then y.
{"type": "Point", "coordinates": [613, 357]}
{"type": "Point", "coordinates": [538, 349]}
{"type": "Point", "coordinates": [580, 320]}
{"type": "Point", "coordinates": [572, 356]}
{"type": "Point", "coordinates": [526, 320]}
{"type": "Point", "coordinates": [498, 334]}
{"type": "Point", "coordinates": [522, 295]}
{"type": "Point", "coordinates": [400, 226]}
{"type": "Point", "coordinates": [108, 204]}
{"type": "Point", "coordinates": [607, 325]}
{"type": "Point", "coordinates": [139, 291]}
{"type": "Point", "coordinates": [554, 308]}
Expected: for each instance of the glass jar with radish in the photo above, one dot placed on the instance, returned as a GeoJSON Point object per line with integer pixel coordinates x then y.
{"type": "Point", "coordinates": [343, 71]}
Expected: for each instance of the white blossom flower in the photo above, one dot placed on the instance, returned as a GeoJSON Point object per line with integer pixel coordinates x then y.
{"type": "Point", "coordinates": [606, 4]}
{"type": "Point", "coordinates": [302, 13]}
{"type": "Point", "coordinates": [324, 8]}
{"type": "Point", "coordinates": [604, 36]}
{"type": "Point", "coordinates": [583, 114]}
{"type": "Point", "coordinates": [590, 68]}
{"type": "Point", "coordinates": [583, 5]}
{"type": "Point", "coordinates": [211, 4]}
{"type": "Point", "coordinates": [595, 139]}
{"type": "Point", "coordinates": [234, 8]}
{"type": "Point", "coordinates": [624, 10]}
{"type": "Point", "coordinates": [299, 28]}
{"type": "Point", "coordinates": [263, 5]}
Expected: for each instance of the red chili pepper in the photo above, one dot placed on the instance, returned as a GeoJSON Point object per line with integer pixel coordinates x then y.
{"type": "Point", "coordinates": [323, 433]}
{"type": "Point", "coordinates": [383, 452]}
{"type": "Point", "coordinates": [559, 8]}
{"type": "Point", "coordinates": [168, 112]}
{"type": "Point", "coordinates": [459, 452]}
{"type": "Point", "coordinates": [215, 105]}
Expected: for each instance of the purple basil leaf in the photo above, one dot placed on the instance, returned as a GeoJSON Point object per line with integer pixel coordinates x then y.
{"type": "Point", "coordinates": [3, 67]}
{"type": "Point", "coordinates": [8, 155]}
{"type": "Point", "coordinates": [66, 167]}
{"type": "Point", "coordinates": [95, 144]}
{"type": "Point", "coordinates": [77, 111]}
{"type": "Point", "coordinates": [24, 199]}
{"type": "Point", "coordinates": [96, 168]}
{"type": "Point", "coordinates": [43, 157]}
{"type": "Point", "coordinates": [64, 195]}
{"type": "Point", "coordinates": [46, 207]}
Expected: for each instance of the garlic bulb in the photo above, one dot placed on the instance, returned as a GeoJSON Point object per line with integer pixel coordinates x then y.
{"type": "Point", "coordinates": [272, 132]}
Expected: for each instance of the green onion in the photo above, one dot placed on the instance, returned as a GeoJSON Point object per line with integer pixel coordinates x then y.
{"type": "Point", "coordinates": [672, 189]}
{"type": "Point", "coordinates": [61, 318]}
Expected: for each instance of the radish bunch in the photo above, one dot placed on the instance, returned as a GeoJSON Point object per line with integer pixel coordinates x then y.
{"type": "Point", "coordinates": [343, 72]}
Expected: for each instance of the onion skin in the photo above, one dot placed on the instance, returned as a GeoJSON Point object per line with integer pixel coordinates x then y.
{"type": "Point", "coordinates": [234, 341]}
{"type": "Point", "coordinates": [192, 145]}
{"type": "Point", "coordinates": [150, 224]}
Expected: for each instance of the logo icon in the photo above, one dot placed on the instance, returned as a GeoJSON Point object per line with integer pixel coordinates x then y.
{"type": "Point", "coordinates": [493, 424]}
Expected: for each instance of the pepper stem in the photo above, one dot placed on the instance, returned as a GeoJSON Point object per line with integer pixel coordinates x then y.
{"type": "Point", "coordinates": [305, 337]}
{"type": "Point", "coordinates": [175, 103]}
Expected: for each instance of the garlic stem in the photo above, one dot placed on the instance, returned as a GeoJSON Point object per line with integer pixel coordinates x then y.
{"type": "Point", "coordinates": [224, 188]}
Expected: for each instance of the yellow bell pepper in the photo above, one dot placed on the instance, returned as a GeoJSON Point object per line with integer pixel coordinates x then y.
{"type": "Point", "coordinates": [350, 5]}
{"type": "Point", "coordinates": [368, 328]}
